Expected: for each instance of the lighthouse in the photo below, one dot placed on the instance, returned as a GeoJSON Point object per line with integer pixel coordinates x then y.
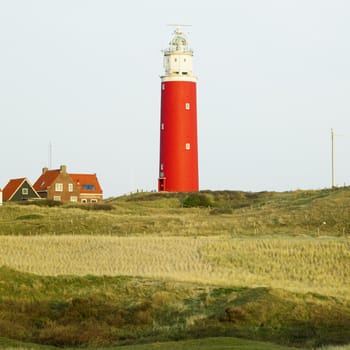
{"type": "Point", "coordinates": [178, 160]}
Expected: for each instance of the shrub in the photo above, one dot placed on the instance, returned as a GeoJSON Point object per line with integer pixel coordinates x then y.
{"type": "Point", "coordinates": [196, 200]}
{"type": "Point", "coordinates": [91, 206]}
{"type": "Point", "coordinates": [41, 203]}
{"type": "Point", "coordinates": [29, 217]}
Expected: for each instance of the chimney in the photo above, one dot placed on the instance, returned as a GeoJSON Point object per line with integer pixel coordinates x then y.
{"type": "Point", "coordinates": [45, 170]}
{"type": "Point", "coordinates": [63, 169]}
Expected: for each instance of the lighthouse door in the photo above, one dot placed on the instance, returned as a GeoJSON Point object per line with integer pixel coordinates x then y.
{"type": "Point", "coordinates": [161, 184]}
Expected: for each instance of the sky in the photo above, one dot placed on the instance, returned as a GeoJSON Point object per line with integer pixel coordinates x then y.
{"type": "Point", "coordinates": [80, 86]}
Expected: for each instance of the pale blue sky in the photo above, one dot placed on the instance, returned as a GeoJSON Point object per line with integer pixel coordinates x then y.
{"type": "Point", "coordinates": [273, 79]}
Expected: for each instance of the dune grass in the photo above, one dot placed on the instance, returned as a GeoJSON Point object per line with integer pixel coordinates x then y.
{"type": "Point", "coordinates": [300, 264]}
{"type": "Point", "coordinates": [345, 347]}
{"type": "Point", "coordinates": [315, 213]}
{"type": "Point", "coordinates": [100, 311]}
{"type": "Point", "coordinates": [217, 343]}
{"type": "Point", "coordinates": [157, 267]}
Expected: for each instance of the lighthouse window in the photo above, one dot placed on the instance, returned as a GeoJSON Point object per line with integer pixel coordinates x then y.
{"type": "Point", "coordinates": [162, 126]}
{"type": "Point", "coordinates": [163, 86]}
{"type": "Point", "coordinates": [187, 106]}
{"type": "Point", "coordinates": [162, 167]}
{"type": "Point", "coordinates": [188, 146]}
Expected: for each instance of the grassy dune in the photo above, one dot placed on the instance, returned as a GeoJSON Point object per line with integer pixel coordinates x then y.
{"type": "Point", "coordinates": [296, 264]}
{"type": "Point", "coordinates": [217, 343]}
{"type": "Point", "coordinates": [315, 213]}
{"type": "Point", "coordinates": [101, 311]}
{"type": "Point", "coordinates": [262, 266]}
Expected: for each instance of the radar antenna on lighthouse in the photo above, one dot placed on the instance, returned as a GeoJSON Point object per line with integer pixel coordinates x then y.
{"type": "Point", "coordinates": [178, 161]}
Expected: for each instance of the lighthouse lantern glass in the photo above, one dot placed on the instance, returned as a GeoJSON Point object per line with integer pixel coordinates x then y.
{"type": "Point", "coordinates": [178, 56]}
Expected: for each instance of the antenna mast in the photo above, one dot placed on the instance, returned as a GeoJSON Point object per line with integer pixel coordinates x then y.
{"type": "Point", "coordinates": [50, 155]}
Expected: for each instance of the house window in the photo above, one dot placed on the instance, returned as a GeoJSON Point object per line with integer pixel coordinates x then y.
{"type": "Point", "coordinates": [84, 200]}
{"type": "Point", "coordinates": [25, 191]}
{"type": "Point", "coordinates": [70, 187]}
{"type": "Point", "coordinates": [187, 106]}
{"type": "Point", "coordinates": [93, 200]}
{"type": "Point", "coordinates": [57, 198]}
{"type": "Point", "coordinates": [188, 146]}
{"type": "Point", "coordinates": [59, 187]}
{"type": "Point", "coordinates": [88, 187]}
{"type": "Point", "coordinates": [73, 198]}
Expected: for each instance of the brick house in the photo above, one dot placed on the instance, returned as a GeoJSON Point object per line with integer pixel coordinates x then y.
{"type": "Point", "coordinates": [59, 185]}
{"type": "Point", "coordinates": [19, 190]}
{"type": "Point", "coordinates": [89, 187]}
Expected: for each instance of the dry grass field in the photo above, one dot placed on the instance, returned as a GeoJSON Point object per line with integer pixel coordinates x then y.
{"type": "Point", "coordinates": [297, 264]}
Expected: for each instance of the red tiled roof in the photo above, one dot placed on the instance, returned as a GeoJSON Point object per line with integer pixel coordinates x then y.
{"type": "Point", "coordinates": [11, 188]}
{"type": "Point", "coordinates": [87, 183]}
{"type": "Point", "coordinates": [45, 180]}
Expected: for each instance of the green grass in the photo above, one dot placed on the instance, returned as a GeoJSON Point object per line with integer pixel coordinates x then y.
{"type": "Point", "coordinates": [99, 311]}
{"type": "Point", "coordinates": [345, 347]}
{"type": "Point", "coordinates": [217, 343]}
{"type": "Point", "coordinates": [210, 344]}
{"type": "Point", "coordinates": [316, 213]}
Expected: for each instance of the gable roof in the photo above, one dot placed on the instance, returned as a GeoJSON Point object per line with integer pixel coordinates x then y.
{"type": "Point", "coordinates": [87, 183]}
{"type": "Point", "coordinates": [12, 187]}
{"type": "Point", "coordinates": [46, 179]}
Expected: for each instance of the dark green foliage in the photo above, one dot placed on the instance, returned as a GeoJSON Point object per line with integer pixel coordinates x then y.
{"type": "Point", "coordinates": [149, 196]}
{"type": "Point", "coordinates": [196, 199]}
{"type": "Point", "coordinates": [30, 217]}
{"type": "Point", "coordinates": [41, 203]}
{"type": "Point", "coordinates": [101, 311]}
{"type": "Point", "coordinates": [91, 206]}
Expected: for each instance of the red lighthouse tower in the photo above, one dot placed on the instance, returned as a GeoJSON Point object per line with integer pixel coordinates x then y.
{"type": "Point", "coordinates": [178, 163]}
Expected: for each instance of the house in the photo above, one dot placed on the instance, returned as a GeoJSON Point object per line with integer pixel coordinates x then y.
{"type": "Point", "coordinates": [89, 187]}
{"type": "Point", "coordinates": [0, 196]}
{"type": "Point", "coordinates": [18, 190]}
{"type": "Point", "coordinates": [59, 185]}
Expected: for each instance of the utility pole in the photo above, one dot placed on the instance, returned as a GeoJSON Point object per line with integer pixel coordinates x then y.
{"type": "Point", "coordinates": [333, 176]}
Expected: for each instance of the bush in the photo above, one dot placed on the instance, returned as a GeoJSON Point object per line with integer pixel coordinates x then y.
{"type": "Point", "coordinates": [196, 200]}
{"type": "Point", "coordinates": [91, 206]}
{"type": "Point", "coordinates": [41, 203]}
